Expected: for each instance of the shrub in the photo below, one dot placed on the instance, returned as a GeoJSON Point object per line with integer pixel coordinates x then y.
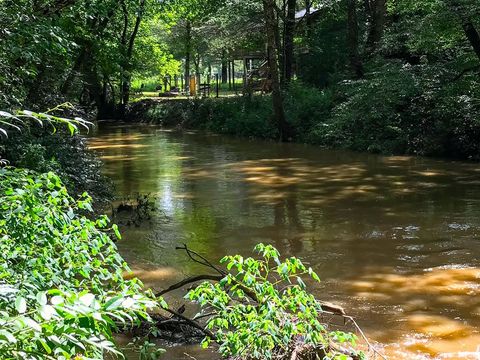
{"type": "Point", "coordinates": [422, 109]}
{"type": "Point", "coordinates": [247, 117]}
{"type": "Point", "coordinates": [62, 293]}
{"type": "Point", "coordinates": [262, 310]}
{"type": "Point", "coordinates": [412, 109]}
{"type": "Point", "coordinates": [307, 106]}
{"type": "Point", "coordinates": [368, 116]}
{"type": "Point", "coordinates": [38, 149]}
{"type": "Point", "coordinates": [235, 116]}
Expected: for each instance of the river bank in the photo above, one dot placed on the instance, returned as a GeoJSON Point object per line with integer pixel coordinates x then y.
{"type": "Point", "coordinates": [324, 118]}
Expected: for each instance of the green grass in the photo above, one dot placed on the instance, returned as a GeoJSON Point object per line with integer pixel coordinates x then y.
{"type": "Point", "coordinates": [151, 83]}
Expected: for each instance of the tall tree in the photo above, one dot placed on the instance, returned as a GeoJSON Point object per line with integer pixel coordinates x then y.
{"type": "Point", "coordinates": [224, 67]}
{"type": "Point", "coordinates": [272, 54]}
{"type": "Point", "coordinates": [472, 35]}
{"type": "Point", "coordinates": [352, 39]}
{"type": "Point", "coordinates": [128, 52]}
{"type": "Point", "coordinates": [97, 25]}
{"type": "Point", "coordinates": [377, 17]}
{"type": "Point", "coordinates": [288, 39]}
{"type": "Point", "coordinates": [188, 53]}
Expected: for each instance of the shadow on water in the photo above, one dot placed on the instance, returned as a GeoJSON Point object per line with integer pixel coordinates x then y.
{"type": "Point", "coordinates": [395, 239]}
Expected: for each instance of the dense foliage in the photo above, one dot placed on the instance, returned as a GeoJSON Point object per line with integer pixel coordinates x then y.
{"type": "Point", "coordinates": [62, 292]}
{"type": "Point", "coordinates": [54, 143]}
{"type": "Point", "coordinates": [67, 156]}
{"type": "Point", "coordinates": [80, 51]}
{"type": "Point", "coordinates": [262, 310]}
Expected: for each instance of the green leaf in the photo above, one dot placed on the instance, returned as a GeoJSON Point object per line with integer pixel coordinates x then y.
{"type": "Point", "coordinates": [32, 324]}
{"type": "Point", "coordinates": [8, 336]}
{"type": "Point", "coordinates": [45, 345]}
{"type": "Point", "coordinates": [87, 299]}
{"type": "Point", "coordinates": [114, 303]}
{"type": "Point", "coordinates": [57, 300]}
{"type": "Point", "coordinates": [47, 312]}
{"type": "Point", "coordinates": [116, 231]}
{"type": "Point", "coordinates": [42, 298]}
{"type": "Point", "coordinates": [313, 274]}
{"type": "Point", "coordinates": [300, 282]}
{"type": "Point", "coordinates": [73, 129]}
{"type": "Point", "coordinates": [20, 305]}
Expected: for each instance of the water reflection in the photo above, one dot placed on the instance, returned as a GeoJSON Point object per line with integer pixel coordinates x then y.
{"type": "Point", "coordinates": [395, 239]}
{"type": "Point", "coordinates": [437, 311]}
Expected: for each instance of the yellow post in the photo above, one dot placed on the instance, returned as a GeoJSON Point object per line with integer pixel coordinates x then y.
{"type": "Point", "coordinates": [193, 86]}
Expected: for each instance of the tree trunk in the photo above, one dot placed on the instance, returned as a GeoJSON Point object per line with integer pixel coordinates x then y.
{"type": "Point", "coordinates": [196, 64]}
{"type": "Point", "coordinates": [472, 35]}
{"type": "Point", "coordinates": [94, 87]}
{"type": "Point", "coordinates": [378, 13]}
{"type": "Point", "coordinates": [229, 63]}
{"type": "Point", "coordinates": [352, 39]}
{"type": "Point", "coordinates": [67, 84]}
{"type": "Point", "coordinates": [133, 36]}
{"type": "Point", "coordinates": [34, 90]}
{"type": "Point", "coordinates": [366, 5]}
{"type": "Point", "coordinates": [277, 99]}
{"type": "Point", "coordinates": [468, 27]}
{"type": "Point", "coordinates": [224, 67]}
{"type": "Point", "coordinates": [123, 79]}
{"type": "Point", "coordinates": [279, 55]}
{"type": "Point", "coordinates": [127, 77]}
{"type": "Point", "coordinates": [234, 87]}
{"type": "Point", "coordinates": [98, 27]}
{"type": "Point", "coordinates": [188, 50]}
{"type": "Point", "coordinates": [288, 40]}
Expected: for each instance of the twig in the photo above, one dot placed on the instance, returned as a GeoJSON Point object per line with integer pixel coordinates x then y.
{"type": "Point", "coordinates": [464, 71]}
{"type": "Point", "coordinates": [187, 281]}
{"type": "Point", "coordinates": [190, 356]}
{"type": "Point", "coordinates": [203, 316]}
{"type": "Point", "coordinates": [194, 256]}
{"type": "Point", "coordinates": [362, 334]}
{"type": "Point", "coordinates": [203, 261]}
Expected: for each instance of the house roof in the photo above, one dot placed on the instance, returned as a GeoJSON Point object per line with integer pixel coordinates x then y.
{"type": "Point", "coordinates": [301, 13]}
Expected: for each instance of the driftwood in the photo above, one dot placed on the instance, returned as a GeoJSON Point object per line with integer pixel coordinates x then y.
{"type": "Point", "coordinates": [174, 329]}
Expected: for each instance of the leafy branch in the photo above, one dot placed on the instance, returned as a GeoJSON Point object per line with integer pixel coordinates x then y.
{"type": "Point", "coordinates": [21, 118]}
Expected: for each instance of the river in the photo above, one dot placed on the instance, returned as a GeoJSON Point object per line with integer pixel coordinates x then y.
{"type": "Point", "coordinates": [395, 240]}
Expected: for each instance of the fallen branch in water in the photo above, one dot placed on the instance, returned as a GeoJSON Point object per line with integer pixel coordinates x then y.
{"type": "Point", "coordinates": [200, 259]}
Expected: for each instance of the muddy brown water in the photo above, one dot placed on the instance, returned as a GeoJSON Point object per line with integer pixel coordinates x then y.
{"type": "Point", "coordinates": [395, 240]}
